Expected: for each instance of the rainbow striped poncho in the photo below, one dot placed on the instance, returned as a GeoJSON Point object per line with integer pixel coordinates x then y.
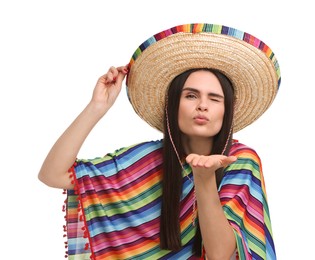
{"type": "Point", "coordinates": [114, 210]}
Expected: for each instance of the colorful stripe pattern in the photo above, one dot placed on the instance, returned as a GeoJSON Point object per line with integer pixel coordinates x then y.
{"type": "Point", "coordinates": [243, 197]}
{"type": "Point", "coordinates": [211, 28]}
{"type": "Point", "coordinates": [113, 213]}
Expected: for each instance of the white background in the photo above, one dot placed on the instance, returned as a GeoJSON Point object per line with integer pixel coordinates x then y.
{"type": "Point", "coordinates": [51, 55]}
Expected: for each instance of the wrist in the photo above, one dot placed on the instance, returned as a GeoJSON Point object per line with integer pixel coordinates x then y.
{"type": "Point", "coordinates": [96, 109]}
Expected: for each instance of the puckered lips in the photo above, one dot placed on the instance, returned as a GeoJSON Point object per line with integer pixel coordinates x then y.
{"type": "Point", "coordinates": [201, 119]}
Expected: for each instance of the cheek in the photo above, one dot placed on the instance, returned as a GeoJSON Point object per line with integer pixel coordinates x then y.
{"type": "Point", "coordinates": [220, 115]}
{"type": "Point", "coordinates": [217, 114]}
{"type": "Point", "coordinates": [221, 112]}
{"type": "Point", "coordinates": [182, 115]}
{"type": "Point", "coordinates": [185, 108]}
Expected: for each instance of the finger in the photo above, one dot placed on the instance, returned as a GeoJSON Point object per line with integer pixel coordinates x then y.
{"type": "Point", "coordinates": [228, 160]}
{"type": "Point", "coordinates": [113, 70]}
{"type": "Point", "coordinates": [116, 70]}
{"type": "Point", "coordinates": [190, 157]}
{"type": "Point", "coordinates": [216, 161]}
{"type": "Point", "coordinates": [232, 159]}
{"type": "Point", "coordinates": [112, 73]}
{"type": "Point", "coordinates": [202, 161]}
{"type": "Point", "coordinates": [197, 161]}
{"type": "Point", "coordinates": [110, 76]}
{"type": "Point", "coordinates": [210, 162]}
{"type": "Point", "coordinates": [123, 69]}
{"type": "Point", "coordinates": [122, 72]}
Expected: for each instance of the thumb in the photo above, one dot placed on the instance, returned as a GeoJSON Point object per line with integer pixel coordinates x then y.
{"type": "Point", "coordinates": [228, 160]}
{"type": "Point", "coordinates": [122, 72]}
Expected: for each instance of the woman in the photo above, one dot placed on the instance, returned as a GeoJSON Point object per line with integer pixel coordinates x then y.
{"type": "Point", "coordinates": [196, 193]}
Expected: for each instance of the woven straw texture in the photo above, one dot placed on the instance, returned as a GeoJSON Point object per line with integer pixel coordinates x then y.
{"type": "Point", "coordinates": [251, 66]}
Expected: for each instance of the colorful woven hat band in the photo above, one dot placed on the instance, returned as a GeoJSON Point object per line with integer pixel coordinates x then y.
{"type": "Point", "coordinates": [247, 61]}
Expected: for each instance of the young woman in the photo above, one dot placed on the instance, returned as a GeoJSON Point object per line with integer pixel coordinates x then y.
{"type": "Point", "coordinates": [197, 193]}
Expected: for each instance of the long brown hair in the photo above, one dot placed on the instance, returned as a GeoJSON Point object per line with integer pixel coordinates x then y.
{"type": "Point", "coordinates": [172, 170]}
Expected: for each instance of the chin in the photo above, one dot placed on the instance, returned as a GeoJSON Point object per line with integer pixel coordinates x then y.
{"type": "Point", "coordinates": [199, 134]}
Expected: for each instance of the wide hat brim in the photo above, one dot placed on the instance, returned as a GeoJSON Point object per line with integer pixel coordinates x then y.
{"type": "Point", "coordinates": [247, 61]}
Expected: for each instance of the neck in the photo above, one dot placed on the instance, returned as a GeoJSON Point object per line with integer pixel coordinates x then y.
{"type": "Point", "coordinates": [197, 145]}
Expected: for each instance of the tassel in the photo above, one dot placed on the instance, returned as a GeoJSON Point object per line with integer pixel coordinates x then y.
{"type": "Point", "coordinates": [64, 207]}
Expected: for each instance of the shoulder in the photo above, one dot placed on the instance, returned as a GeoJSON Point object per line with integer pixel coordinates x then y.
{"type": "Point", "coordinates": [122, 158]}
{"type": "Point", "coordinates": [131, 152]}
{"type": "Point", "coordinates": [140, 148]}
{"type": "Point", "coordinates": [241, 150]}
{"type": "Point", "coordinates": [156, 144]}
{"type": "Point", "coordinates": [247, 159]}
{"type": "Point", "coordinates": [246, 170]}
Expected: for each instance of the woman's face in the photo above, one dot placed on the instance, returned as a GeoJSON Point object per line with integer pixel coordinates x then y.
{"type": "Point", "coordinates": [201, 106]}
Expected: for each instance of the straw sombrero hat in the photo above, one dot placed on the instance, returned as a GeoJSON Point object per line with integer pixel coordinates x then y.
{"type": "Point", "coordinates": [247, 61]}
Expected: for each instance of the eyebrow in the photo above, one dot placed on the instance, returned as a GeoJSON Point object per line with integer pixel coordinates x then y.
{"type": "Point", "coordinates": [211, 94]}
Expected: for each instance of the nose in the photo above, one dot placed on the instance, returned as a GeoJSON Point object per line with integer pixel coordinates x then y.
{"type": "Point", "coordinates": [202, 106]}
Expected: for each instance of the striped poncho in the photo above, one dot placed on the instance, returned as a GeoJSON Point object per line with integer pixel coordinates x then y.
{"type": "Point", "coordinates": [114, 210]}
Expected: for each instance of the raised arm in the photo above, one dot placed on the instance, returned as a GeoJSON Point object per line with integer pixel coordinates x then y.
{"type": "Point", "coordinates": [54, 171]}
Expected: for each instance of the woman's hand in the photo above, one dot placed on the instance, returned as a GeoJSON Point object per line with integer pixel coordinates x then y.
{"type": "Point", "coordinates": [108, 86]}
{"type": "Point", "coordinates": [205, 166]}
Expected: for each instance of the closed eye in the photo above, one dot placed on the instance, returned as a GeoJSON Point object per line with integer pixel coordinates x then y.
{"type": "Point", "coordinates": [215, 99]}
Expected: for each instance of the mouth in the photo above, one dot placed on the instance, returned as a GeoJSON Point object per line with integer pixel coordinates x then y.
{"type": "Point", "coordinates": [201, 120]}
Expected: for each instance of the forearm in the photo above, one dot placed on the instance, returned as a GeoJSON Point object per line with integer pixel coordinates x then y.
{"type": "Point", "coordinates": [64, 152]}
{"type": "Point", "coordinates": [217, 234]}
